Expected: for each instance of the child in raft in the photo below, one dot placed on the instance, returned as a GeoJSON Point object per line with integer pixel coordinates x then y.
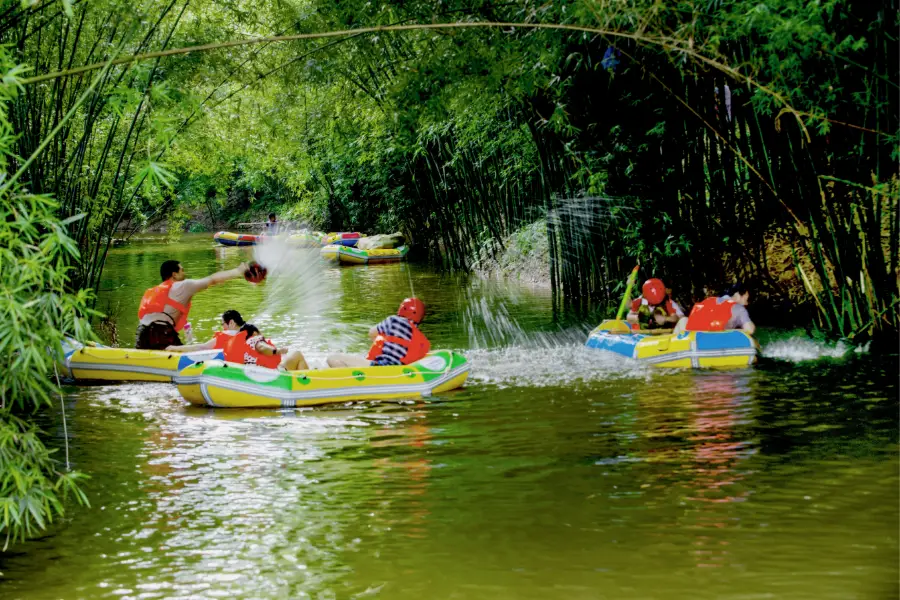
{"type": "Point", "coordinates": [249, 347]}
{"type": "Point", "coordinates": [397, 340]}
{"type": "Point", "coordinates": [231, 324]}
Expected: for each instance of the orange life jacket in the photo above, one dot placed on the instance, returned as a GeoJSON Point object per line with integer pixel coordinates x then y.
{"type": "Point", "coordinates": [710, 315]}
{"type": "Point", "coordinates": [416, 348]}
{"type": "Point", "coordinates": [237, 350]}
{"type": "Point", "coordinates": [157, 298]}
{"type": "Point", "coordinates": [222, 338]}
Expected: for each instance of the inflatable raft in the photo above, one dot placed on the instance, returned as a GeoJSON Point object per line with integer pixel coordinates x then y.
{"type": "Point", "coordinates": [220, 384]}
{"type": "Point", "coordinates": [355, 256]}
{"type": "Point", "coordinates": [226, 238]}
{"type": "Point", "coordinates": [342, 238]}
{"type": "Point", "coordinates": [307, 239]}
{"type": "Point", "coordinates": [101, 363]}
{"type": "Point", "coordinates": [697, 349]}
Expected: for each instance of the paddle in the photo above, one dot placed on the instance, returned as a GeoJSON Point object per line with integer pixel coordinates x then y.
{"type": "Point", "coordinates": [627, 298]}
{"type": "Point", "coordinates": [617, 325]}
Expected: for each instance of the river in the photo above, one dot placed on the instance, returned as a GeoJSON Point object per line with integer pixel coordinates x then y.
{"type": "Point", "coordinates": [555, 473]}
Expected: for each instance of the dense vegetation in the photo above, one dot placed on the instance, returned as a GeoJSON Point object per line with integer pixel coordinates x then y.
{"type": "Point", "coordinates": [710, 140]}
{"type": "Point", "coordinates": [35, 259]}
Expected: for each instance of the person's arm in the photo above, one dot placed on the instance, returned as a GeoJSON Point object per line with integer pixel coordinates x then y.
{"type": "Point", "coordinates": [379, 329]}
{"type": "Point", "coordinates": [741, 319]}
{"type": "Point", "coordinates": [269, 349]}
{"type": "Point", "coordinates": [678, 314]}
{"type": "Point", "coordinates": [193, 347]}
{"type": "Point", "coordinates": [217, 278]}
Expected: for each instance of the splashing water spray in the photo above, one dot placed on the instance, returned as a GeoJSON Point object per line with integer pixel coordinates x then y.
{"type": "Point", "coordinates": [298, 293]}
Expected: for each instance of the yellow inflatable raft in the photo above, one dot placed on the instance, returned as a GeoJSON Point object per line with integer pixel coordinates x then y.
{"type": "Point", "coordinates": [220, 384]}
{"type": "Point", "coordinates": [697, 349]}
{"type": "Point", "coordinates": [227, 238]}
{"type": "Point", "coordinates": [100, 363]}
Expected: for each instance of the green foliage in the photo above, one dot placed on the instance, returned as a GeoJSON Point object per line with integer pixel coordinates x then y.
{"type": "Point", "coordinates": [39, 313]}
{"type": "Point", "coordinates": [459, 137]}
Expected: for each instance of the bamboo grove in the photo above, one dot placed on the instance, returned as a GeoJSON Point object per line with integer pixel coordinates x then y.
{"type": "Point", "coordinates": [710, 140]}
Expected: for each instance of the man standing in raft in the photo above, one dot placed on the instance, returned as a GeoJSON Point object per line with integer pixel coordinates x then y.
{"type": "Point", "coordinates": [231, 324]}
{"type": "Point", "coordinates": [164, 308]}
{"type": "Point", "coordinates": [726, 312]}
{"type": "Point", "coordinates": [654, 303]}
{"type": "Point", "coordinates": [397, 340]}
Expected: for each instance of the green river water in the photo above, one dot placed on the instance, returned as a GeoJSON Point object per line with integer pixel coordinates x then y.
{"type": "Point", "coordinates": [555, 473]}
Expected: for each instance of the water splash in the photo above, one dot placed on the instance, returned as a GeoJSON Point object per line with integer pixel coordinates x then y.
{"type": "Point", "coordinates": [544, 365]}
{"type": "Point", "coordinates": [299, 292]}
{"type": "Point", "coordinates": [801, 349]}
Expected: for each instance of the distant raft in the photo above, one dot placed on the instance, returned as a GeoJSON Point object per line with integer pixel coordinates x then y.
{"type": "Point", "coordinates": [689, 349]}
{"type": "Point", "coordinates": [342, 238]}
{"type": "Point", "coordinates": [220, 384]}
{"type": "Point", "coordinates": [101, 363]}
{"type": "Point", "coordinates": [227, 238]}
{"type": "Point", "coordinates": [307, 239]}
{"type": "Point", "coordinates": [355, 256]}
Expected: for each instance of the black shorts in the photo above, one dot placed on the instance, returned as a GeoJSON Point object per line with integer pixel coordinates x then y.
{"type": "Point", "coordinates": [156, 336]}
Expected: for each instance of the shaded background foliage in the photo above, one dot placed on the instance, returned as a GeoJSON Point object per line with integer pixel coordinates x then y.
{"type": "Point", "coordinates": [711, 140]}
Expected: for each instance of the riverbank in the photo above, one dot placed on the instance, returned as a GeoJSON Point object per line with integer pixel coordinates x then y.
{"type": "Point", "coordinates": [523, 257]}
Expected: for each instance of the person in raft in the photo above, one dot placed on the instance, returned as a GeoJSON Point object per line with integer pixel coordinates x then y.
{"type": "Point", "coordinates": [397, 340]}
{"type": "Point", "coordinates": [164, 308]}
{"type": "Point", "coordinates": [249, 347]}
{"type": "Point", "coordinates": [725, 312]}
{"type": "Point", "coordinates": [654, 306]}
{"type": "Point", "coordinates": [272, 225]}
{"type": "Point", "coordinates": [231, 323]}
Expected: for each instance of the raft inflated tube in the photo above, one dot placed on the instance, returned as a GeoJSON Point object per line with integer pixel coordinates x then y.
{"type": "Point", "coordinates": [343, 238]}
{"type": "Point", "coordinates": [355, 256]}
{"type": "Point", "coordinates": [220, 384]}
{"type": "Point", "coordinates": [100, 363]}
{"type": "Point", "coordinates": [227, 238]}
{"type": "Point", "coordinates": [311, 239]}
{"type": "Point", "coordinates": [688, 349]}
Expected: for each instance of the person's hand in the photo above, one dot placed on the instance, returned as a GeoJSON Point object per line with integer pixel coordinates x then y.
{"type": "Point", "coordinates": [243, 268]}
{"type": "Point", "coordinates": [659, 316]}
{"type": "Point", "coordinates": [281, 351]}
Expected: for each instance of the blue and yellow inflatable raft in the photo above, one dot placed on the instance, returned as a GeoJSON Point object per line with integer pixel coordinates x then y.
{"type": "Point", "coordinates": [227, 238]}
{"type": "Point", "coordinates": [221, 384]}
{"type": "Point", "coordinates": [342, 238]}
{"type": "Point", "coordinates": [688, 349]}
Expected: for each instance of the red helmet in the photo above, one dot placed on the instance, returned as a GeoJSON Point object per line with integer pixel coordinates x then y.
{"type": "Point", "coordinates": [654, 291]}
{"type": "Point", "coordinates": [412, 309]}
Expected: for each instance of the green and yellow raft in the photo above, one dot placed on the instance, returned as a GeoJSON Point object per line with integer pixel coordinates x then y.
{"type": "Point", "coordinates": [355, 256]}
{"type": "Point", "coordinates": [688, 349]}
{"type": "Point", "coordinates": [221, 384]}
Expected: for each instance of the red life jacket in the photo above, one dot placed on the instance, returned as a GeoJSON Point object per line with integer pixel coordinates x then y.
{"type": "Point", "coordinates": [157, 298]}
{"type": "Point", "coordinates": [222, 338]}
{"type": "Point", "coordinates": [416, 348]}
{"type": "Point", "coordinates": [710, 315]}
{"type": "Point", "coordinates": [668, 305]}
{"type": "Point", "coordinates": [237, 351]}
